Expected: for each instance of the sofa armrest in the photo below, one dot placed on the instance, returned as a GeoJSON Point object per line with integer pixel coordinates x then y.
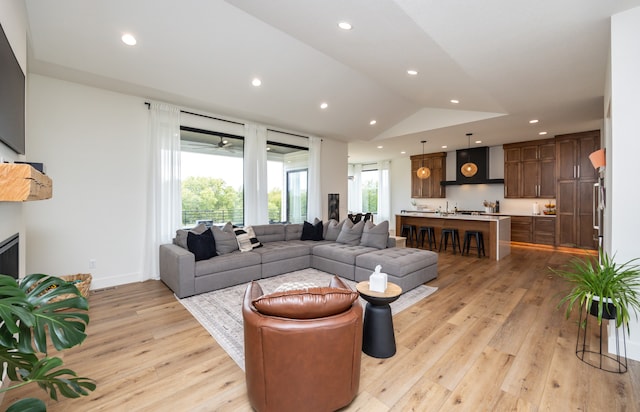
{"type": "Point", "coordinates": [178, 269]}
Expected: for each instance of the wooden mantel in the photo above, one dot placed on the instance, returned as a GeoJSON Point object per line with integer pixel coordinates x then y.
{"type": "Point", "coordinates": [21, 182]}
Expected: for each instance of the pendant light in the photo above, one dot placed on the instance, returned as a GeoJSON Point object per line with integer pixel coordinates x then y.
{"type": "Point", "coordinates": [469, 169]}
{"type": "Point", "coordinates": [423, 172]}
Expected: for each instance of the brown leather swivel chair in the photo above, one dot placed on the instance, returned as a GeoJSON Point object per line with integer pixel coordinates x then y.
{"type": "Point", "coordinates": [302, 348]}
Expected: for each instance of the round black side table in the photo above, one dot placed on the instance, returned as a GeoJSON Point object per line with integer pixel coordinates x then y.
{"type": "Point", "coordinates": [378, 339]}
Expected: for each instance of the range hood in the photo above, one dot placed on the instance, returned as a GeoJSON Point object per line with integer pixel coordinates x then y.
{"type": "Point", "coordinates": [479, 156]}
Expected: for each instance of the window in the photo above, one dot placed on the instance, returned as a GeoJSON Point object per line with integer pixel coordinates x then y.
{"type": "Point", "coordinates": [364, 188]}
{"type": "Point", "coordinates": [369, 180]}
{"type": "Point", "coordinates": [212, 177]}
{"type": "Point", "coordinates": [287, 170]}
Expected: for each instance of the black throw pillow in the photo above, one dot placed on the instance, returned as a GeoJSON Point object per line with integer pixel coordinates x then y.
{"type": "Point", "coordinates": [203, 246]}
{"type": "Point", "coordinates": [312, 232]}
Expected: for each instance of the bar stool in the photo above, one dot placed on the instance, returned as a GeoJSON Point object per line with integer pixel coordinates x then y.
{"type": "Point", "coordinates": [455, 239]}
{"type": "Point", "coordinates": [468, 235]}
{"type": "Point", "coordinates": [430, 234]}
{"type": "Point", "coordinates": [409, 231]}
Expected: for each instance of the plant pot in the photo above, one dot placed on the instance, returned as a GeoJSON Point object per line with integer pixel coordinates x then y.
{"type": "Point", "coordinates": [608, 310]}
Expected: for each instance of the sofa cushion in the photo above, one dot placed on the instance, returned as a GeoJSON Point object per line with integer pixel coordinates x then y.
{"type": "Point", "coordinates": [225, 239]}
{"type": "Point", "coordinates": [307, 303]}
{"type": "Point", "coordinates": [341, 252]}
{"type": "Point", "coordinates": [270, 233]}
{"type": "Point", "coordinates": [246, 238]}
{"type": "Point", "coordinates": [181, 235]}
{"type": "Point", "coordinates": [292, 231]}
{"type": "Point", "coordinates": [375, 235]}
{"type": "Point", "coordinates": [203, 246]}
{"type": "Point", "coordinates": [229, 261]}
{"type": "Point", "coordinates": [275, 251]}
{"type": "Point", "coordinates": [312, 231]}
{"type": "Point", "coordinates": [350, 234]}
{"type": "Point", "coordinates": [333, 229]}
{"type": "Point", "coordinates": [397, 261]}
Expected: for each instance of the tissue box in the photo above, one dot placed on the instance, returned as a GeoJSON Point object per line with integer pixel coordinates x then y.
{"type": "Point", "coordinates": [378, 282]}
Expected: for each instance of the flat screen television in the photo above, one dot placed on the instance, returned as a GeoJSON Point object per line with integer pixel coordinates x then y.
{"type": "Point", "coordinates": [11, 97]}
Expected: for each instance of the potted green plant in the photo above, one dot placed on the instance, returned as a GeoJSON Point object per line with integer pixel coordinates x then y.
{"type": "Point", "coordinates": [608, 289]}
{"type": "Point", "coordinates": [28, 313]}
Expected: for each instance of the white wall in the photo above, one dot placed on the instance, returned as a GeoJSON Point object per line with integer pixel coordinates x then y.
{"type": "Point", "coordinates": [623, 193]}
{"type": "Point", "coordinates": [14, 23]}
{"type": "Point", "coordinates": [93, 145]}
{"type": "Point", "coordinates": [333, 167]}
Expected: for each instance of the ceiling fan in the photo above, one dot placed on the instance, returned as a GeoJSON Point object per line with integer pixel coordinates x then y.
{"type": "Point", "coordinates": [224, 143]}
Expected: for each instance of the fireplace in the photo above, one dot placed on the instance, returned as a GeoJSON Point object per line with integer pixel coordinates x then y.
{"type": "Point", "coordinates": [9, 260]}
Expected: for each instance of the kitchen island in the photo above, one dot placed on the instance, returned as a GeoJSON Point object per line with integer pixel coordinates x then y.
{"type": "Point", "coordinates": [496, 230]}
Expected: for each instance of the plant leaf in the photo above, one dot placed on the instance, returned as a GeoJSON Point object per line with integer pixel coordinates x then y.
{"type": "Point", "coordinates": [16, 361]}
{"type": "Point", "coordinates": [64, 380]}
{"type": "Point", "coordinates": [65, 328]}
{"type": "Point", "coordinates": [28, 405]}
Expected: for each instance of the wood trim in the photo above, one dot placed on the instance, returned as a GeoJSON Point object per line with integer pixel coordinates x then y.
{"type": "Point", "coordinates": [21, 182]}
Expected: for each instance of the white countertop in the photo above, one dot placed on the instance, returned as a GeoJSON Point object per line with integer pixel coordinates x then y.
{"type": "Point", "coordinates": [453, 216]}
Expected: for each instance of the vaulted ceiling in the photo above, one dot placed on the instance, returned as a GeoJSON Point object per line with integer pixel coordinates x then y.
{"type": "Point", "coordinates": [506, 62]}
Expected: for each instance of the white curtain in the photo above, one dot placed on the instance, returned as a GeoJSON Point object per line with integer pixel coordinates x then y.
{"type": "Point", "coordinates": [314, 192]}
{"type": "Point", "coordinates": [164, 205]}
{"type": "Point", "coordinates": [355, 195]}
{"type": "Point", "coordinates": [384, 193]}
{"type": "Point", "coordinates": [256, 203]}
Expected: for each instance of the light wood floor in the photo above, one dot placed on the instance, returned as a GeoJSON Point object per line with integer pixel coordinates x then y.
{"type": "Point", "coordinates": [490, 339]}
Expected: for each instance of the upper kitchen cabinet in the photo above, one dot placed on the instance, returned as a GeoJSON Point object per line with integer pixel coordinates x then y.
{"type": "Point", "coordinates": [430, 187]}
{"type": "Point", "coordinates": [530, 170]}
{"type": "Point", "coordinates": [576, 177]}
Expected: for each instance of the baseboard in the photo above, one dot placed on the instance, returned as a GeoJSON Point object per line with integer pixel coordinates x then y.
{"type": "Point", "coordinates": [103, 282]}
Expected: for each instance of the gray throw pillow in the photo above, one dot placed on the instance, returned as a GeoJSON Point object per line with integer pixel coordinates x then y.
{"type": "Point", "coordinates": [350, 234]}
{"type": "Point", "coordinates": [226, 241]}
{"type": "Point", "coordinates": [181, 235]}
{"type": "Point", "coordinates": [333, 229]}
{"type": "Point", "coordinates": [375, 235]}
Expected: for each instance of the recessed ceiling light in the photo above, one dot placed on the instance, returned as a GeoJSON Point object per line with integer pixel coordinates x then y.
{"type": "Point", "coordinates": [128, 39]}
{"type": "Point", "coordinates": [478, 141]}
{"type": "Point", "coordinates": [542, 133]}
{"type": "Point", "coordinates": [344, 25]}
{"type": "Point", "coordinates": [533, 121]}
{"type": "Point", "coordinates": [380, 147]}
{"type": "Point", "coordinates": [256, 82]}
{"type": "Point", "coordinates": [444, 147]}
{"type": "Point", "coordinates": [412, 72]}
{"type": "Point", "coordinates": [454, 101]}
{"type": "Point", "coordinates": [403, 152]}
{"type": "Point", "coordinates": [323, 105]}
{"type": "Point", "coordinates": [373, 122]}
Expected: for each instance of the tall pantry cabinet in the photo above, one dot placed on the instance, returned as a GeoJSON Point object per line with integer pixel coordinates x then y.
{"type": "Point", "coordinates": [575, 189]}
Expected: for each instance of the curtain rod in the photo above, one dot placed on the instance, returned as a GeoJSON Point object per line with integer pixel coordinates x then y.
{"type": "Point", "coordinates": [290, 134]}
{"type": "Point", "coordinates": [148, 104]}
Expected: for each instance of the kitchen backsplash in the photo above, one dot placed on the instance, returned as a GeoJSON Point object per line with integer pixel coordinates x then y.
{"type": "Point", "coordinates": [471, 197]}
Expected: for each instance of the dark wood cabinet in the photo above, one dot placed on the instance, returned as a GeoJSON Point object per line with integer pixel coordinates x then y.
{"type": "Point", "coordinates": [533, 229]}
{"type": "Point", "coordinates": [430, 187]}
{"type": "Point", "coordinates": [512, 172]}
{"type": "Point", "coordinates": [521, 229]}
{"type": "Point", "coordinates": [544, 230]}
{"type": "Point", "coordinates": [575, 182]}
{"type": "Point", "coordinates": [530, 170]}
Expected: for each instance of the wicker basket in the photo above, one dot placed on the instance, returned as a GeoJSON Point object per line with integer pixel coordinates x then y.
{"type": "Point", "coordinates": [82, 281]}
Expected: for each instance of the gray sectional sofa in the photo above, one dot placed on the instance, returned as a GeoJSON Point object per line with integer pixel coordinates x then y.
{"type": "Point", "coordinates": [347, 250]}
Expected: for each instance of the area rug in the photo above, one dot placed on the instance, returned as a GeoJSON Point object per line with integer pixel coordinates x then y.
{"type": "Point", "coordinates": [220, 311]}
